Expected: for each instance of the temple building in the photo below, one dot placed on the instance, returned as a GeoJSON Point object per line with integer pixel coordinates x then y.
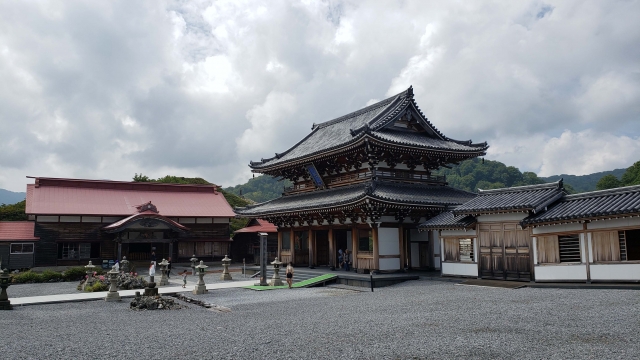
{"type": "Point", "coordinates": [74, 221]}
{"type": "Point", "coordinates": [246, 242]}
{"type": "Point", "coordinates": [540, 233]}
{"type": "Point", "coordinates": [363, 182]}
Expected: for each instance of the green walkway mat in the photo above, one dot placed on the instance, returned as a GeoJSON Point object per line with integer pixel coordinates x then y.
{"type": "Point", "coordinates": [305, 283]}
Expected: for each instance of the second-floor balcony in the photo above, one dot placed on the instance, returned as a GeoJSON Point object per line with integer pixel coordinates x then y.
{"type": "Point", "coordinates": [357, 177]}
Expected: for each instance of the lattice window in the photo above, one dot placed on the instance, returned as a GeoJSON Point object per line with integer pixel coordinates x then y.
{"type": "Point", "coordinates": [623, 246]}
{"type": "Point", "coordinates": [22, 248]}
{"type": "Point", "coordinates": [466, 250]}
{"type": "Point", "coordinates": [569, 247]}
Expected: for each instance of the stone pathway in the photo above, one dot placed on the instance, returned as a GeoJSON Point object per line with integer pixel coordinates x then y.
{"type": "Point", "coordinates": [62, 298]}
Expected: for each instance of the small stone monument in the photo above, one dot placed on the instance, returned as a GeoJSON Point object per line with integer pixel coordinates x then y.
{"type": "Point", "coordinates": [194, 262]}
{"type": "Point", "coordinates": [113, 294]}
{"type": "Point", "coordinates": [225, 269]}
{"type": "Point", "coordinates": [90, 280]}
{"type": "Point", "coordinates": [163, 267]}
{"type": "Point", "coordinates": [275, 280]}
{"type": "Point", "coordinates": [5, 304]}
{"type": "Point", "coordinates": [124, 265]}
{"type": "Point", "coordinates": [151, 289]}
{"type": "Point", "coordinates": [200, 288]}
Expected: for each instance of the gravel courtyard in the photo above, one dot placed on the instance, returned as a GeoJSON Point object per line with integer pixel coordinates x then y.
{"type": "Point", "coordinates": [414, 320]}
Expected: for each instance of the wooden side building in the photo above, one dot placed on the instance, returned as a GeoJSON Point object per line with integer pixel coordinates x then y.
{"type": "Point", "coordinates": [79, 220]}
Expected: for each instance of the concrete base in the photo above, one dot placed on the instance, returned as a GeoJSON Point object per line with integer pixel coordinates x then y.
{"type": "Point", "coordinates": [5, 305]}
{"type": "Point", "coordinates": [276, 282]}
{"type": "Point", "coordinates": [200, 289]}
{"type": "Point", "coordinates": [226, 276]}
{"type": "Point", "coordinates": [113, 296]}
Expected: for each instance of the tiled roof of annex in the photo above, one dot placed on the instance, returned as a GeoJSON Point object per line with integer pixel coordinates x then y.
{"type": "Point", "coordinates": [612, 202]}
{"type": "Point", "coordinates": [371, 120]}
{"type": "Point", "coordinates": [55, 196]}
{"type": "Point", "coordinates": [386, 192]}
{"type": "Point", "coordinates": [17, 230]}
{"type": "Point", "coordinates": [520, 198]}
{"type": "Point", "coordinates": [448, 221]}
{"type": "Point", "coordinates": [258, 225]}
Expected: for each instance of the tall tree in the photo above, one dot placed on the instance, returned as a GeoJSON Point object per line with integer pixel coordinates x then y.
{"type": "Point", "coordinates": [632, 175]}
{"type": "Point", "coordinates": [608, 182]}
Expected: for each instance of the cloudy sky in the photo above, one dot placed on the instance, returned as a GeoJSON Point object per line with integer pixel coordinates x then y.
{"type": "Point", "coordinates": [106, 89]}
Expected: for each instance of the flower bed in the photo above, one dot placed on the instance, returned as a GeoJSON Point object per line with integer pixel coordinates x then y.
{"type": "Point", "coordinates": [126, 281]}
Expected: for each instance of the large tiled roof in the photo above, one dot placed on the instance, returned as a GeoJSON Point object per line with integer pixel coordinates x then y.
{"type": "Point", "coordinates": [447, 220]}
{"type": "Point", "coordinates": [370, 120]}
{"type": "Point", "coordinates": [521, 198]}
{"type": "Point", "coordinates": [122, 224]}
{"type": "Point", "coordinates": [50, 196]}
{"type": "Point", "coordinates": [389, 192]}
{"type": "Point", "coordinates": [17, 230]}
{"type": "Point", "coordinates": [613, 202]}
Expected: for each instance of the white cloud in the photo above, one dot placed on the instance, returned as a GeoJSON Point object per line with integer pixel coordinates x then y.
{"type": "Point", "coordinates": [103, 90]}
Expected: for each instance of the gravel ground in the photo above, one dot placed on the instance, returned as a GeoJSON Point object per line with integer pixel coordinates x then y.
{"type": "Point", "coordinates": [414, 320]}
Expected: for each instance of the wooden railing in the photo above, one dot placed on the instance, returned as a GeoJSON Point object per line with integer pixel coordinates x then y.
{"type": "Point", "coordinates": [356, 177]}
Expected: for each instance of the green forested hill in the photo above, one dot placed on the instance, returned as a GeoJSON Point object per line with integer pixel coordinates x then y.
{"type": "Point", "coordinates": [583, 183]}
{"type": "Point", "coordinates": [260, 189]}
{"type": "Point", "coordinates": [474, 174]}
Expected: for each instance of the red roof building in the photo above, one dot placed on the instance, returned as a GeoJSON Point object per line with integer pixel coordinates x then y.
{"type": "Point", "coordinates": [246, 241]}
{"type": "Point", "coordinates": [100, 220]}
{"type": "Point", "coordinates": [17, 244]}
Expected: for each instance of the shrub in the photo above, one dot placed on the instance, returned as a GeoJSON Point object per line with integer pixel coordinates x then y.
{"type": "Point", "coordinates": [99, 286]}
{"type": "Point", "coordinates": [26, 277]}
{"type": "Point", "coordinates": [50, 276]}
{"type": "Point", "coordinates": [74, 274]}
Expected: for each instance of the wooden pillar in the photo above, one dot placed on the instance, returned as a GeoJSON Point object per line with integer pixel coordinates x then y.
{"type": "Point", "coordinates": [292, 242]}
{"type": "Point", "coordinates": [376, 250]}
{"type": "Point", "coordinates": [402, 246]}
{"type": "Point", "coordinates": [170, 250]}
{"type": "Point", "coordinates": [332, 259]}
{"type": "Point", "coordinates": [311, 264]}
{"type": "Point", "coordinates": [354, 246]}
{"type": "Point", "coordinates": [279, 253]}
{"type": "Point", "coordinates": [119, 251]}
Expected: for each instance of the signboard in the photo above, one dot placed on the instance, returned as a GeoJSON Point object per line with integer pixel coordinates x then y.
{"type": "Point", "coordinates": [315, 176]}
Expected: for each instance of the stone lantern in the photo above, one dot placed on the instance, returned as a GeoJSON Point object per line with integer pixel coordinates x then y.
{"type": "Point", "coordinates": [194, 262]}
{"type": "Point", "coordinates": [163, 267]}
{"type": "Point", "coordinates": [89, 272]}
{"type": "Point", "coordinates": [5, 304]}
{"type": "Point", "coordinates": [200, 286]}
{"type": "Point", "coordinates": [124, 265]}
{"type": "Point", "coordinates": [225, 269]}
{"type": "Point", "coordinates": [275, 280]}
{"type": "Point", "coordinates": [113, 294]}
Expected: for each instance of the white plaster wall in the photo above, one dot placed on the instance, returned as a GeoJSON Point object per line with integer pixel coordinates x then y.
{"type": "Point", "coordinates": [614, 223]}
{"type": "Point", "coordinates": [415, 255]}
{"type": "Point", "coordinates": [388, 241]}
{"type": "Point", "coordinates": [557, 228]}
{"type": "Point", "coordinates": [614, 271]}
{"type": "Point", "coordinates": [468, 233]}
{"type": "Point", "coordinates": [561, 272]}
{"type": "Point", "coordinates": [390, 264]}
{"type": "Point", "coordinates": [460, 269]}
{"type": "Point", "coordinates": [501, 217]}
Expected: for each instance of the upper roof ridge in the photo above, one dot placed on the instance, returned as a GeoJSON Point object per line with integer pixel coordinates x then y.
{"type": "Point", "coordinates": [385, 102]}
{"type": "Point", "coordinates": [607, 192]}
{"type": "Point", "coordinates": [552, 185]}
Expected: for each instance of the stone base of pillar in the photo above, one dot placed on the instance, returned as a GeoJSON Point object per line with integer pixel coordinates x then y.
{"type": "Point", "coordinates": [226, 276]}
{"type": "Point", "coordinates": [164, 281]}
{"type": "Point", "coordinates": [200, 289]}
{"type": "Point", "coordinates": [151, 290]}
{"type": "Point", "coordinates": [113, 296]}
{"type": "Point", "coordinates": [276, 282]}
{"type": "Point", "coordinates": [6, 305]}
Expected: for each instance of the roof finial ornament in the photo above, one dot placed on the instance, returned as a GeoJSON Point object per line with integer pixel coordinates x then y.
{"type": "Point", "coordinates": [410, 91]}
{"type": "Point", "coordinates": [147, 207]}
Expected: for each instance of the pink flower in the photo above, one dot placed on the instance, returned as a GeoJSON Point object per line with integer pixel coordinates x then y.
{"type": "Point", "coordinates": [95, 273]}
{"type": "Point", "coordinates": [135, 274]}
{"type": "Point", "coordinates": [101, 277]}
{"type": "Point", "coordinates": [86, 276]}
